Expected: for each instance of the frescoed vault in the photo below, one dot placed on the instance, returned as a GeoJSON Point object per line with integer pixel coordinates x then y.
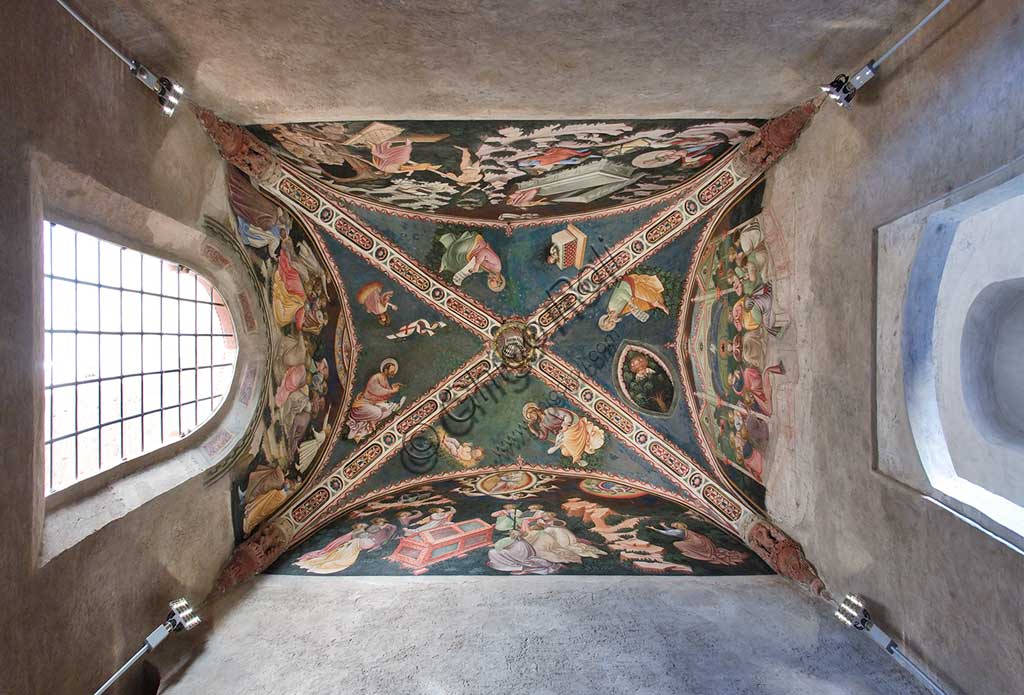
{"type": "Point", "coordinates": [507, 396]}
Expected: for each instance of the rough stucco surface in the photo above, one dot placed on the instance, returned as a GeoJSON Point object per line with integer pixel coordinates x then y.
{"type": "Point", "coordinates": [943, 113]}
{"type": "Point", "coordinates": [268, 61]}
{"type": "Point", "coordinates": [538, 635]}
{"type": "Point", "coordinates": [69, 623]}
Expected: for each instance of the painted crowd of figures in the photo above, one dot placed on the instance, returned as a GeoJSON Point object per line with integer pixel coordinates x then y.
{"type": "Point", "coordinates": [742, 273]}
{"type": "Point", "coordinates": [295, 425]}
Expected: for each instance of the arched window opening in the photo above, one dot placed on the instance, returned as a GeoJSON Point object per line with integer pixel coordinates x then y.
{"type": "Point", "coordinates": [139, 352]}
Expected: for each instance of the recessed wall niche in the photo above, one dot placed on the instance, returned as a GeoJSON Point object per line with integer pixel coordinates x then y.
{"type": "Point", "coordinates": [950, 335]}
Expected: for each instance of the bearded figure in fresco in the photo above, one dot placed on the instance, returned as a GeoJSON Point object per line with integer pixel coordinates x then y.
{"type": "Point", "coordinates": [573, 436]}
{"type": "Point", "coordinates": [745, 348]}
{"type": "Point", "coordinates": [697, 546]}
{"type": "Point", "coordinates": [469, 253]}
{"type": "Point", "coordinates": [373, 404]}
{"type": "Point", "coordinates": [635, 295]}
{"type": "Point", "coordinates": [647, 383]}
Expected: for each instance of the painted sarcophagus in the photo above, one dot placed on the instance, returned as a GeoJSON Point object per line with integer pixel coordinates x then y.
{"type": "Point", "coordinates": [569, 247]}
{"type": "Point", "coordinates": [418, 552]}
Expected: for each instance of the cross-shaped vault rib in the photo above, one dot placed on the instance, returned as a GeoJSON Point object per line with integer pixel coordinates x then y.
{"type": "Point", "coordinates": [596, 277]}
{"type": "Point", "coordinates": [636, 434]}
{"type": "Point", "coordinates": [323, 210]}
{"type": "Point", "coordinates": [702, 196]}
{"type": "Point", "coordinates": [314, 506]}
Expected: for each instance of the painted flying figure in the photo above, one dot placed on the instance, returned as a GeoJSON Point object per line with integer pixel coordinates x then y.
{"type": "Point", "coordinates": [635, 295]}
{"type": "Point", "coordinates": [469, 253]}
{"type": "Point", "coordinates": [377, 301]}
{"type": "Point", "coordinates": [573, 436]}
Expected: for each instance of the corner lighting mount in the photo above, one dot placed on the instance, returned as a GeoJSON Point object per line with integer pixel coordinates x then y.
{"type": "Point", "coordinates": [181, 617]}
{"type": "Point", "coordinates": [168, 92]}
{"type": "Point", "coordinates": [853, 612]}
{"type": "Point", "coordinates": [842, 89]}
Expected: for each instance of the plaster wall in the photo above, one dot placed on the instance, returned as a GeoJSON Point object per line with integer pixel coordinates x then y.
{"type": "Point", "coordinates": [264, 61]}
{"type": "Point", "coordinates": [69, 622]}
{"type": "Point", "coordinates": [943, 112]}
{"type": "Point", "coordinates": [540, 635]}
{"type": "Point", "coordinates": [982, 276]}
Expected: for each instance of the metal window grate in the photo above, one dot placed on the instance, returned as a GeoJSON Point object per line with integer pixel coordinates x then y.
{"type": "Point", "coordinates": [139, 352]}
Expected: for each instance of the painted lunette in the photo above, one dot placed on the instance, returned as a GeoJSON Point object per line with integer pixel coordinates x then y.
{"type": "Point", "coordinates": [751, 159]}
{"type": "Point", "coordinates": [346, 354]}
{"type": "Point", "coordinates": [227, 464]}
{"type": "Point", "coordinates": [704, 195]}
{"type": "Point", "coordinates": [678, 497]}
{"type": "Point", "coordinates": [682, 340]}
{"type": "Point", "coordinates": [580, 146]}
{"type": "Point", "coordinates": [346, 350]}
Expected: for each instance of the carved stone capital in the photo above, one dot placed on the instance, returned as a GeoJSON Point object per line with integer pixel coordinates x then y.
{"type": "Point", "coordinates": [240, 147]}
{"type": "Point", "coordinates": [767, 146]}
{"type": "Point", "coordinates": [255, 554]}
{"type": "Point", "coordinates": [785, 556]}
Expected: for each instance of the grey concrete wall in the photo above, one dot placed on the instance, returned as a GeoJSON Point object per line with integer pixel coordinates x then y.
{"type": "Point", "coordinates": [69, 623]}
{"type": "Point", "coordinates": [538, 635]}
{"type": "Point", "coordinates": [945, 111]}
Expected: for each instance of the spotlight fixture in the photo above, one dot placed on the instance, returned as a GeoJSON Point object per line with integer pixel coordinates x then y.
{"type": "Point", "coordinates": [853, 612]}
{"type": "Point", "coordinates": [168, 92]}
{"type": "Point", "coordinates": [181, 617]}
{"type": "Point", "coordinates": [843, 89]}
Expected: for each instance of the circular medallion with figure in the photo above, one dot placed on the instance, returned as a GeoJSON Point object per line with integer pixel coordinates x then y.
{"type": "Point", "coordinates": [610, 489]}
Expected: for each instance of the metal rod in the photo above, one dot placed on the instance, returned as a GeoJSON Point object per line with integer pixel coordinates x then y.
{"type": "Point", "coordinates": [916, 670]}
{"type": "Point", "coordinates": [131, 662]}
{"type": "Point", "coordinates": [81, 20]}
{"type": "Point", "coordinates": [910, 33]}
